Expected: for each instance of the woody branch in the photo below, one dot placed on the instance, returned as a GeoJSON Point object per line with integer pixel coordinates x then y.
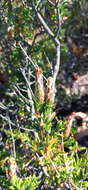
{"type": "Point", "coordinates": [54, 38]}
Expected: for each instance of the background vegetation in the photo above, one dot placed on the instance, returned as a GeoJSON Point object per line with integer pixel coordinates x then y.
{"type": "Point", "coordinates": [43, 48]}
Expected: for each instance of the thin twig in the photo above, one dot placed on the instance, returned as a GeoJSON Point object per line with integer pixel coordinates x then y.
{"type": "Point", "coordinates": [28, 57]}
{"type": "Point", "coordinates": [54, 167]}
{"type": "Point", "coordinates": [30, 95]}
{"type": "Point", "coordinates": [6, 119]}
{"type": "Point", "coordinates": [27, 81]}
{"type": "Point", "coordinates": [76, 188]}
{"type": "Point", "coordinates": [38, 3]}
{"type": "Point", "coordinates": [10, 123]}
{"type": "Point", "coordinates": [22, 98]}
{"type": "Point", "coordinates": [30, 130]}
{"type": "Point", "coordinates": [29, 92]}
{"type": "Point", "coordinates": [51, 3]}
{"type": "Point", "coordinates": [2, 106]}
{"type": "Point", "coordinates": [50, 64]}
{"type": "Point", "coordinates": [13, 140]}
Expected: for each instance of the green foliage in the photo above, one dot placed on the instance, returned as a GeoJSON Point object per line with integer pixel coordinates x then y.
{"type": "Point", "coordinates": [46, 158]}
{"type": "Point", "coordinates": [28, 183]}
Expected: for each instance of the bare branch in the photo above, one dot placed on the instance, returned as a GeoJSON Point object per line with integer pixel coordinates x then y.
{"type": "Point", "coordinates": [46, 27]}
{"type": "Point", "coordinates": [51, 3]}
{"type": "Point", "coordinates": [50, 64]}
{"type": "Point", "coordinates": [6, 119]}
{"type": "Point", "coordinates": [22, 98]}
{"type": "Point", "coordinates": [28, 57]}
{"type": "Point", "coordinates": [29, 91]}
{"type": "Point", "coordinates": [2, 106]}
{"type": "Point", "coordinates": [13, 140]}
{"type": "Point", "coordinates": [38, 3]}
{"type": "Point", "coordinates": [55, 39]}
